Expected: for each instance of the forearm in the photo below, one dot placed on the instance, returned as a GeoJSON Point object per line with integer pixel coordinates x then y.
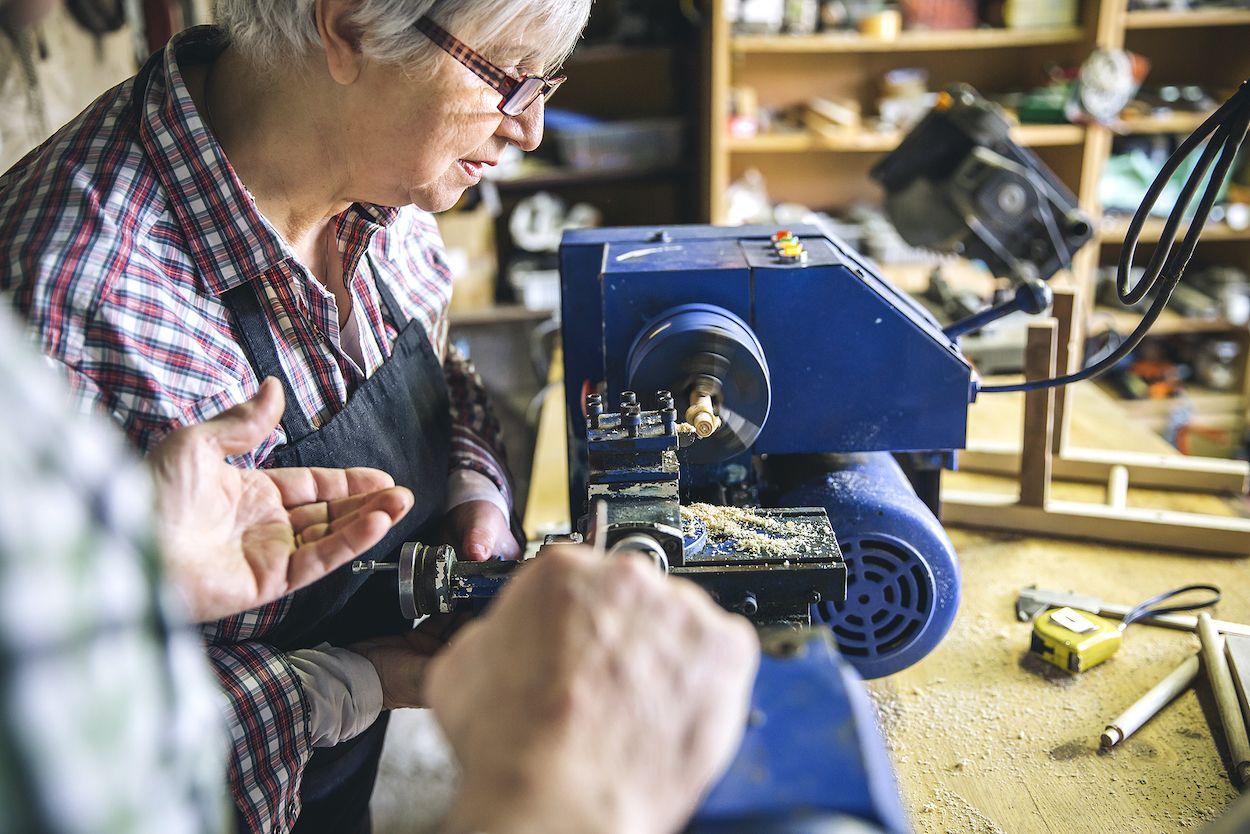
{"type": "Point", "coordinates": [342, 690]}
{"type": "Point", "coordinates": [465, 485]}
{"type": "Point", "coordinates": [476, 437]}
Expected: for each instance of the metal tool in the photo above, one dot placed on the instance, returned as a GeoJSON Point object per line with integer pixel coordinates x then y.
{"type": "Point", "coordinates": [1033, 601]}
{"type": "Point", "coordinates": [431, 580]}
{"type": "Point", "coordinates": [1238, 650]}
{"type": "Point", "coordinates": [1222, 687]}
{"type": "Point", "coordinates": [781, 564]}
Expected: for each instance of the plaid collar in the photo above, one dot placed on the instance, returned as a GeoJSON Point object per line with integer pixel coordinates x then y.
{"type": "Point", "coordinates": [229, 240]}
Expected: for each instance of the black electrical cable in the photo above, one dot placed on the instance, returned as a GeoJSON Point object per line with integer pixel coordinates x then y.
{"type": "Point", "coordinates": [1145, 609]}
{"type": "Point", "coordinates": [1226, 128]}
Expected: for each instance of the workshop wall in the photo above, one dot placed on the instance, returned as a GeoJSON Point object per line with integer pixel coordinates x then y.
{"type": "Point", "coordinates": [50, 72]}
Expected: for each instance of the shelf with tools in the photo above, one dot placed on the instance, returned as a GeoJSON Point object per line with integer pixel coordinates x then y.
{"type": "Point", "coordinates": [821, 127]}
{"type": "Point", "coordinates": [1172, 122]}
{"type": "Point", "coordinates": [1195, 18]}
{"type": "Point", "coordinates": [1169, 323]}
{"type": "Point", "coordinates": [824, 163]}
{"type": "Point", "coordinates": [1197, 337]}
{"type": "Point", "coordinates": [1187, 381]}
{"type": "Point", "coordinates": [1113, 231]}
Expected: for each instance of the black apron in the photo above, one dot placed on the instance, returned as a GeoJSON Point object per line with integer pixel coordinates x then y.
{"type": "Point", "coordinates": [399, 421]}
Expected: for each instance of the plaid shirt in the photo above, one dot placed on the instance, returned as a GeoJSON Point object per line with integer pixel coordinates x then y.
{"type": "Point", "coordinates": [117, 238]}
{"type": "Point", "coordinates": [109, 719]}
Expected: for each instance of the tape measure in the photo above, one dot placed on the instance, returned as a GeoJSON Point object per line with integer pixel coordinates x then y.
{"type": "Point", "coordinates": [1078, 640]}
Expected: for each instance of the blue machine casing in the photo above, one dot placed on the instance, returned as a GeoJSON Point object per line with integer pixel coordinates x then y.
{"type": "Point", "coordinates": [856, 365]}
{"type": "Point", "coordinates": [853, 370]}
{"type": "Point", "coordinates": [902, 577]}
{"type": "Point", "coordinates": [812, 752]}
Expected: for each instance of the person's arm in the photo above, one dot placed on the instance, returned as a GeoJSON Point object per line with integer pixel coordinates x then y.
{"type": "Point", "coordinates": [111, 713]}
{"type": "Point", "coordinates": [593, 696]}
{"type": "Point", "coordinates": [478, 516]}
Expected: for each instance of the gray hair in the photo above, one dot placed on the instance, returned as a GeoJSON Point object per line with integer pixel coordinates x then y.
{"type": "Point", "coordinates": [270, 32]}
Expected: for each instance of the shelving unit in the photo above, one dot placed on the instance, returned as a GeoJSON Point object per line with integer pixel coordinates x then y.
{"type": "Point", "coordinates": [604, 81]}
{"type": "Point", "coordinates": [1186, 20]}
{"type": "Point", "coordinates": [1181, 47]}
{"type": "Point", "coordinates": [829, 171]}
{"type": "Point", "coordinates": [1113, 232]}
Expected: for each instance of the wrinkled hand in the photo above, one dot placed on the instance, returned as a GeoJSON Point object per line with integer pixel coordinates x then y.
{"type": "Point", "coordinates": [479, 531]}
{"type": "Point", "coordinates": [594, 696]}
{"type": "Point", "coordinates": [233, 538]}
{"type": "Point", "coordinates": [401, 659]}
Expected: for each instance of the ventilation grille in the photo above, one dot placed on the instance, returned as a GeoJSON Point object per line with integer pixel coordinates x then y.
{"type": "Point", "coordinates": [889, 599]}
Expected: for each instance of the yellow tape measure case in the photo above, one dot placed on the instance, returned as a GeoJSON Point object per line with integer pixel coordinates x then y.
{"type": "Point", "coordinates": [1074, 640]}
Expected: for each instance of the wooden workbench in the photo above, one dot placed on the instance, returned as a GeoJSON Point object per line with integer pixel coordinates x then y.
{"type": "Point", "coordinates": [987, 740]}
{"type": "Point", "coordinates": [983, 738]}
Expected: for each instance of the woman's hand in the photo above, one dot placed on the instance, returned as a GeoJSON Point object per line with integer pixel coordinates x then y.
{"type": "Point", "coordinates": [234, 538]}
{"type": "Point", "coordinates": [400, 659]}
{"type": "Point", "coordinates": [479, 531]}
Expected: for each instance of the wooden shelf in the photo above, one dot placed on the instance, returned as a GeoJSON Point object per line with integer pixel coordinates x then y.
{"type": "Point", "coordinates": [1191, 19]}
{"type": "Point", "coordinates": [500, 314]}
{"type": "Point", "coordinates": [555, 177]}
{"type": "Point", "coordinates": [1175, 122]}
{"type": "Point", "coordinates": [1113, 232]}
{"type": "Point", "coordinates": [918, 41]}
{"type": "Point", "coordinates": [1168, 324]}
{"type": "Point", "coordinates": [879, 141]}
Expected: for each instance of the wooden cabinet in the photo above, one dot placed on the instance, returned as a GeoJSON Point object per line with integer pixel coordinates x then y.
{"type": "Point", "coordinates": [831, 173]}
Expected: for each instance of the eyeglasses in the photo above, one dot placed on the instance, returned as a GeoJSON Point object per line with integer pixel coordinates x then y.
{"type": "Point", "coordinates": [518, 93]}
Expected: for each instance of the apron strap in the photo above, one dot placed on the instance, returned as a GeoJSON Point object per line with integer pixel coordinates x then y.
{"type": "Point", "coordinates": [398, 319]}
{"type": "Point", "coordinates": [244, 302]}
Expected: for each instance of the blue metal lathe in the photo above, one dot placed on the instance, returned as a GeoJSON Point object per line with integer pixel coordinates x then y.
{"type": "Point", "coordinates": [824, 377]}
{"type": "Point", "coordinates": [829, 390]}
{"type": "Point", "coordinates": [778, 407]}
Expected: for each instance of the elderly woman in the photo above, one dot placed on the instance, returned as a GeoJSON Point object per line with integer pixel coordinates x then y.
{"type": "Point", "coordinates": [255, 203]}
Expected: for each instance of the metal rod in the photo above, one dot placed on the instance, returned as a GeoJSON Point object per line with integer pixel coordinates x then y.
{"type": "Point", "coordinates": [371, 566]}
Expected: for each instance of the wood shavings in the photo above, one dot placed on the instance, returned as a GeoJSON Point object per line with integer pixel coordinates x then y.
{"type": "Point", "coordinates": [752, 531]}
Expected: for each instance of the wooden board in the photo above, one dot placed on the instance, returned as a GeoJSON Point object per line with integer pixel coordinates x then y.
{"type": "Point", "coordinates": [547, 508]}
{"type": "Point", "coordinates": [985, 740]}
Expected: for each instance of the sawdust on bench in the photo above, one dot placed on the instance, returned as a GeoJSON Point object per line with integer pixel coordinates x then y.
{"type": "Point", "coordinates": [753, 531]}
